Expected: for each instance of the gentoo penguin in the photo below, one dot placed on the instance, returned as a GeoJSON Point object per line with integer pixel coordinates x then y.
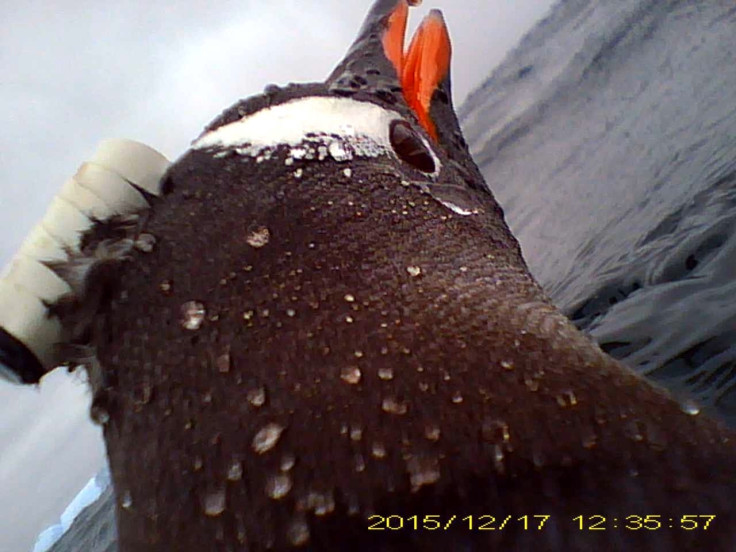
{"type": "Point", "coordinates": [331, 341]}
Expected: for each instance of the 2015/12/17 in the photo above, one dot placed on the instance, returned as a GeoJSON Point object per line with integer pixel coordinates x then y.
{"type": "Point", "coordinates": [435, 522]}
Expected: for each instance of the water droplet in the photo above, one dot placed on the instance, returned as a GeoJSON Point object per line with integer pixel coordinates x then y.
{"type": "Point", "coordinates": [359, 463]}
{"type": "Point", "coordinates": [256, 397]}
{"type": "Point", "coordinates": [288, 461]}
{"type": "Point", "coordinates": [348, 172]}
{"type": "Point", "coordinates": [507, 365]}
{"type": "Point", "coordinates": [241, 535]}
{"type": "Point", "coordinates": [145, 243]}
{"type": "Point", "coordinates": [126, 500]}
{"type": "Point", "coordinates": [267, 437]}
{"type": "Point", "coordinates": [198, 463]}
{"type": "Point", "coordinates": [498, 458]}
{"type": "Point", "coordinates": [349, 319]}
{"type": "Point", "coordinates": [214, 502]}
{"type": "Point", "coordinates": [353, 505]}
{"type": "Point", "coordinates": [223, 363]}
{"type": "Point", "coordinates": [378, 450]}
{"type": "Point", "coordinates": [351, 374]}
{"type": "Point", "coordinates": [432, 432]}
{"type": "Point", "coordinates": [338, 151]}
{"type": "Point", "coordinates": [386, 374]}
{"type": "Point", "coordinates": [531, 384]}
{"type": "Point", "coordinates": [590, 441]}
{"type": "Point", "coordinates": [599, 415]}
{"type": "Point", "coordinates": [192, 315]}
{"type": "Point", "coordinates": [259, 237]}
{"type": "Point", "coordinates": [235, 470]}
{"type": "Point", "coordinates": [414, 271]}
{"type": "Point", "coordinates": [394, 406]}
{"type": "Point", "coordinates": [538, 459]}
{"type": "Point", "coordinates": [320, 504]}
{"type": "Point", "coordinates": [690, 407]}
{"type": "Point", "coordinates": [356, 433]}
{"type": "Point", "coordinates": [278, 486]}
{"type": "Point", "coordinates": [326, 507]}
{"type": "Point", "coordinates": [291, 313]}
{"type": "Point", "coordinates": [298, 152]}
{"type": "Point", "coordinates": [457, 397]}
{"type": "Point", "coordinates": [298, 173]}
{"type": "Point", "coordinates": [494, 431]}
{"type": "Point", "coordinates": [567, 398]}
{"type": "Point", "coordinates": [349, 298]}
{"type": "Point", "coordinates": [298, 532]}
{"type": "Point", "coordinates": [633, 430]}
{"type": "Point", "coordinates": [165, 287]}
{"type": "Point", "coordinates": [248, 315]}
{"type": "Point", "coordinates": [423, 470]}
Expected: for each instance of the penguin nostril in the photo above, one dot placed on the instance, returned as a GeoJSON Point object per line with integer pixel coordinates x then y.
{"type": "Point", "coordinates": [410, 147]}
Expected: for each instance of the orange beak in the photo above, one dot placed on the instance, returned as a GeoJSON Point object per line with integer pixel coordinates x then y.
{"type": "Point", "coordinates": [424, 65]}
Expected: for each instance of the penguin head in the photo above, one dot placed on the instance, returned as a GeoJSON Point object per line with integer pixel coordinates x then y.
{"type": "Point", "coordinates": [401, 100]}
{"type": "Point", "coordinates": [384, 107]}
{"type": "Point", "coordinates": [415, 81]}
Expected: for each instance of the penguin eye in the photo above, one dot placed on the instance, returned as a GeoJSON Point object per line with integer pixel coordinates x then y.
{"type": "Point", "coordinates": [409, 147]}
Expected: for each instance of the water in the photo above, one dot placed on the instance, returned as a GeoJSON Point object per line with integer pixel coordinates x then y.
{"type": "Point", "coordinates": [609, 137]}
{"type": "Point", "coordinates": [84, 507]}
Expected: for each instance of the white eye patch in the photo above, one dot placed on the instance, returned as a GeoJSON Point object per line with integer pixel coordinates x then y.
{"type": "Point", "coordinates": [340, 128]}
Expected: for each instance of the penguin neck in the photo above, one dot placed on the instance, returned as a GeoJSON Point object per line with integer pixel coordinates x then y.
{"type": "Point", "coordinates": [344, 297]}
{"type": "Point", "coordinates": [359, 230]}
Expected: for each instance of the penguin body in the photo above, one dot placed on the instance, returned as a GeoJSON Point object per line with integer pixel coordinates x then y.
{"type": "Point", "coordinates": [334, 343]}
{"type": "Point", "coordinates": [354, 366]}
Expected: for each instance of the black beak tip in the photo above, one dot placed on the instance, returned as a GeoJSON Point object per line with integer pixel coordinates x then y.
{"type": "Point", "coordinates": [365, 70]}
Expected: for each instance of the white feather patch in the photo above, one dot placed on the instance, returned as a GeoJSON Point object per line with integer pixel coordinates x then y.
{"type": "Point", "coordinates": [290, 124]}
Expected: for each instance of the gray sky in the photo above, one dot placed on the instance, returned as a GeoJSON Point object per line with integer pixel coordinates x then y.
{"type": "Point", "coordinates": [74, 73]}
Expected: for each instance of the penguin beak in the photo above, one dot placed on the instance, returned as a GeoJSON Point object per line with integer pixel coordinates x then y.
{"type": "Point", "coordinates": [425, 65]}
{"type": "Point", "coordinates": [378, 64]}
